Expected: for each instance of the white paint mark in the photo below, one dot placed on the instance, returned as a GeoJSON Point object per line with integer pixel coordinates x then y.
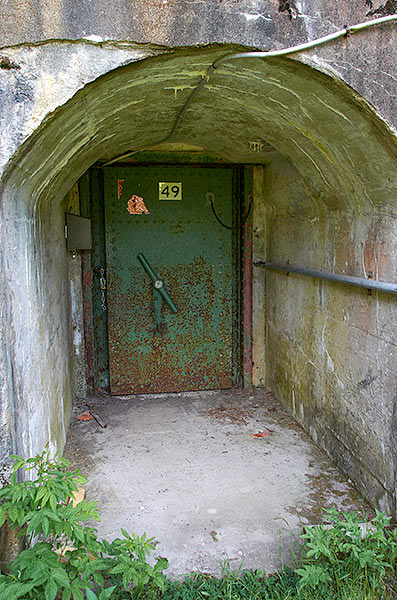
{"type": "Point", "coordinates": [256, 16]}
{"type": "Point", "coordinates": [330, 362]}
{"type": "Point", "coordinates": [256, 146]}
{"type": "Point", "coordinates": [389, 75]}
{"type": "Point", "coordinates": [313, 434]}
{"type": "Point", "coordinates": [313, 161]}
{"type": "Point", "coordinates": [278, 102]}
{"type": "Point", "coordinates": [179, 88]}
{"type": "Point", "coordinates": [363, 259]}
{"type": "Point", "coordinates": [332, 109]}
{"type": "Point", "coordinates": [94, 38]}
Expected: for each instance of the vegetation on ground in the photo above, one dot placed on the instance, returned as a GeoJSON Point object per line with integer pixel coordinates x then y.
{"type": "Point", "coordinates": [63, 559]}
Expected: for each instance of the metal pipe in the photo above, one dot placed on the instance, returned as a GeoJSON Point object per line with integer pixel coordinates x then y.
{"type": "Point", "coordinates": [307, 45]}
{"type": "Point", "coordinates": [346, 31]}
{"type": "Point", "coordinates": [370, 284]}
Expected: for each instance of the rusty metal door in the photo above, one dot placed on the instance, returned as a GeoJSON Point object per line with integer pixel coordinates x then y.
{"type": "Point", "coordinates": [169, 271]}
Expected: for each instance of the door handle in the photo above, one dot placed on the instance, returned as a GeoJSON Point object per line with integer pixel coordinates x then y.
{"type": "Point", "coordinates": [157, 282]}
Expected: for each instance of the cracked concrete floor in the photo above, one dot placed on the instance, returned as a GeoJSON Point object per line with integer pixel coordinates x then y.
{"type": "Point", "coordinates": [186, 469]}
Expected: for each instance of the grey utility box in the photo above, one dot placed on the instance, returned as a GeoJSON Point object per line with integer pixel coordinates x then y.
{"type": "Point", "coordinates": [78, 232]}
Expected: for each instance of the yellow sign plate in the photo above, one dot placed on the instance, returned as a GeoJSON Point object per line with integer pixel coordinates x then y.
{"type": "Point", "coordinates": [170, 190]}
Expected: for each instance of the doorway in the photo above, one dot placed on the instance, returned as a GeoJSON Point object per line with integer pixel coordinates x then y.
{"type": "Point", "coordinates": [168, 249]}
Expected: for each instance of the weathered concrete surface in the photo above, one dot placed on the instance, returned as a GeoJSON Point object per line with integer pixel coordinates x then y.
{"type": "Point", "coordinates": [317, 122]}
{"type": "Point", "coordinates": [331, 350]}
{"type": "Point", "coordinates": [259, 240]}
{"type": "Point", "coordinates": [368, 64]}
{"type": "Point", "coordinates": [76, 300]}
{"type": "Point", "coordinates": [185, 469]}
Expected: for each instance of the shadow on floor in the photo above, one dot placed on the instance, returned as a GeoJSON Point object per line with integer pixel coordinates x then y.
{"type": "Point", "coordinates": [187, 469]}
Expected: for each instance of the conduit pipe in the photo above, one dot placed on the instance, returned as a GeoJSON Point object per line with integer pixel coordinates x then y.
{"type": "Point", "coordinates": [382, 286]}
{"type": "Point", "coordinates": [345, 32]}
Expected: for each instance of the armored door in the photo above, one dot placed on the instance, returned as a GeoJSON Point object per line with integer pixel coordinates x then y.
{"type": "Point", "coordinates": [169, 272]}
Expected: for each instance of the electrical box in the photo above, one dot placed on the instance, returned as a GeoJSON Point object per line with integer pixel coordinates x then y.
{"type": "Point", "coordinates": [78, 232]}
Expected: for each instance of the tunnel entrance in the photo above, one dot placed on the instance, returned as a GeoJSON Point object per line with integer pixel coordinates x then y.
{"type": "Point", "coordinates": [324, 190]}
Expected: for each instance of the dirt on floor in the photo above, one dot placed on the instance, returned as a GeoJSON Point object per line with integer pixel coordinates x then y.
{"type": "Point", "coordinates": [213, 476]}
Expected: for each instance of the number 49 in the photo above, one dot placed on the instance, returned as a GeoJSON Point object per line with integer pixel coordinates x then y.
{"type": "Point", "coordinates": [170, 191]}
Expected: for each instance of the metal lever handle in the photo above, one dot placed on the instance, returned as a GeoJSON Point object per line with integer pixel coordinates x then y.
{"type": "Point", "coordinates": [157, 282]}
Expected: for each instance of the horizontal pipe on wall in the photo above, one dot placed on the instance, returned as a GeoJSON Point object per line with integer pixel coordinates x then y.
{"type": "Point", "coordinates": [369, 284]}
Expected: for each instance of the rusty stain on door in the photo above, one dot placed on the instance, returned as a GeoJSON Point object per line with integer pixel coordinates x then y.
{"type": "Point", "coordinates": [136, 206]}
{"type": "Point", "coordinates": [152, 348]}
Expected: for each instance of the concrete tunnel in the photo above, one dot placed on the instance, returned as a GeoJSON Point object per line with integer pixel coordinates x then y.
{"type": "Point", "coordinates": [323, 189]}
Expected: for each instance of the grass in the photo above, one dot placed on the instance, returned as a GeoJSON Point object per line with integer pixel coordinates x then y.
{"type": "Point", "coordinates": [336, 563]}
{"type": "Point", "coordinates": [254, 585]}
{"type": "Point", "coordinates": [250, 585]}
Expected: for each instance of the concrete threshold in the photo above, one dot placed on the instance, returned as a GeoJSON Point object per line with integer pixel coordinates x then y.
{"type": "Point", "coordinates": [188, 470]}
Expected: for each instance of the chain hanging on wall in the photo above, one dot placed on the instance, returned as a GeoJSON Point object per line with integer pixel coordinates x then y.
{"type": "Point", "coordinates": [102, 285]}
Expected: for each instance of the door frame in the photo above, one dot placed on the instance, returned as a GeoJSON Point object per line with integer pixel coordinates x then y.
{"type": "Point", "coordinates": [91, 191]}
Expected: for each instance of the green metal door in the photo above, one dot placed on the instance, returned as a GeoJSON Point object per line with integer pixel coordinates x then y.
{"type": "Point", "coordinates": [169, 272]}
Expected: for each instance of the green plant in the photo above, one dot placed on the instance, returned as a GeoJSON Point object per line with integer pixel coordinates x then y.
{"type": "Point", "coordinates": [129, 562]}
{"type": "Point", "coordinates": [103, 595]}
{"type": "Point", "coordinates": [343, 552]}
{"type": "Point", "coordinates": [64, 559]}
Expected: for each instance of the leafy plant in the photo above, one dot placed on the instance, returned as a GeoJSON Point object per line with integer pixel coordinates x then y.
{"type": "Point", "coordinates": [129, 562]}
{"type": "Point", "coordinates": [103, 595]}
{"type": "Point", "coordinates": [64, 559]}
{"type": "Point", "coordinates": [343, 551]}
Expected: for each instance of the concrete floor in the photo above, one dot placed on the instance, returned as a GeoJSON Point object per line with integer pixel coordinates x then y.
{"type": "Point", "coordinates": [186, 469]}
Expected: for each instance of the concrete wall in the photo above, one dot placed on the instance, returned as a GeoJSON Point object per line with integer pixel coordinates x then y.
{"type": "Point", "coordinates": [330, 349]}
{"type": "Point", "coordinates": [41, 354]}
{"type": "Point", "coordinates": [37, 383]}
{"type": "Point", "coordinates": [368, 66]}
{"type": "Point", "coordinates": [78, 375]}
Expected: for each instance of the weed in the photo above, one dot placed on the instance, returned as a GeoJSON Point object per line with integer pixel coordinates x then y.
{"type": "Point", "coordinates": [345, 553]}
{"type": "Point", "coordinates": [63, 558]}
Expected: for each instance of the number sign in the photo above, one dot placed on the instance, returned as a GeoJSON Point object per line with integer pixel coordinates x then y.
{"type": "Point", "coordinates": [170, 190]}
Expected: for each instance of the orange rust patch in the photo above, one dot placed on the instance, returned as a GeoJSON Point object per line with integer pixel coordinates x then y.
{"type": "Point", "coordinates": [120, 187]}
{"type": "Point", "coordinates": [136, 206]}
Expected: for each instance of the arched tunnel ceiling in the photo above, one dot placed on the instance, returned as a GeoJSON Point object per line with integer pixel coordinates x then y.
{"type": "Point", "coordinates": [345, 153]}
